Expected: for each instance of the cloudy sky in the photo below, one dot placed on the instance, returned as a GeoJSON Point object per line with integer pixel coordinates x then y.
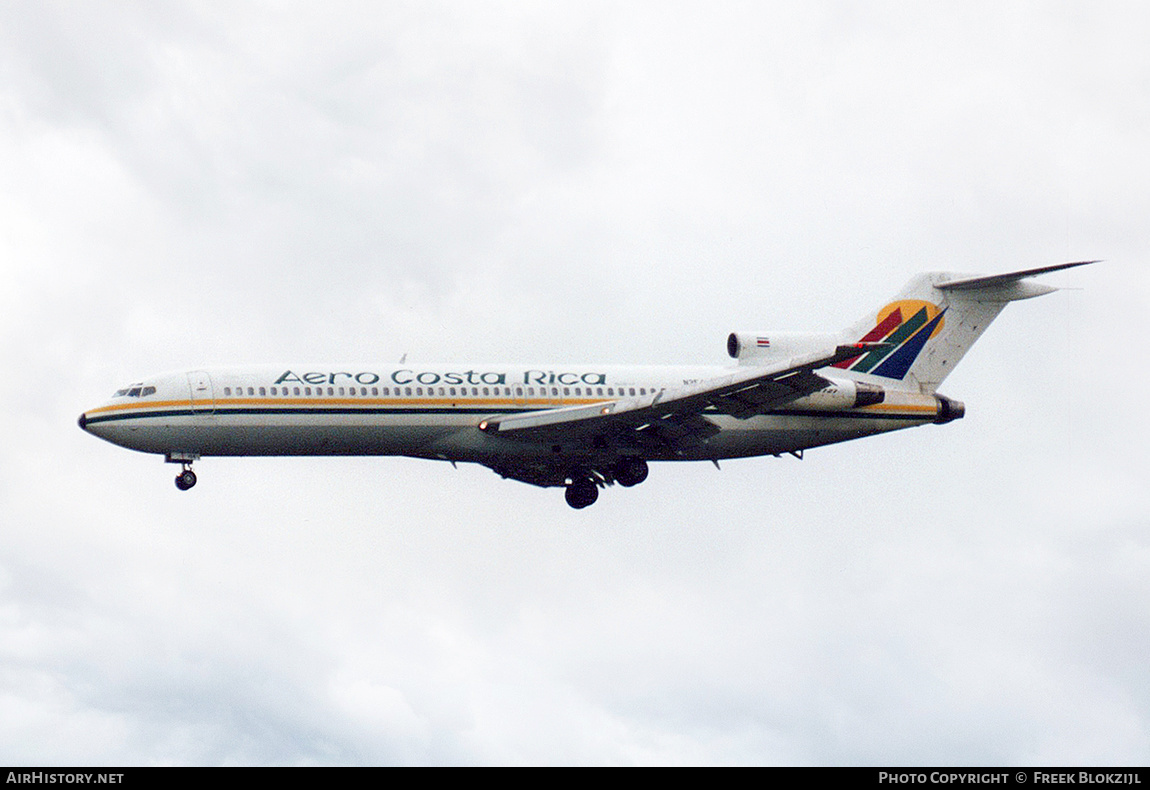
{"type": "Point", "coordinates": [188, 184]}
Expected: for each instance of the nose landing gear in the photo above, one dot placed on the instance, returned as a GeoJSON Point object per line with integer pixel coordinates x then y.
{"type": "Point", "coordinates": [187, 478]}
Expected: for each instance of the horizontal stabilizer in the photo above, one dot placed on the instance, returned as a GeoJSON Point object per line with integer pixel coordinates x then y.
{"type": "Point", "coordinates": [999, 280]}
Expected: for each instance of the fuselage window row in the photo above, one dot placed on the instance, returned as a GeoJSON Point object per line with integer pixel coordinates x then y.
{"type": "Point", "coordinates": [375, 392]}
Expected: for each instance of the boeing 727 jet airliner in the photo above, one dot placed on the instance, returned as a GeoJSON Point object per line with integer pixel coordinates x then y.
{"type": "Point", "coordinates": [584, 427]}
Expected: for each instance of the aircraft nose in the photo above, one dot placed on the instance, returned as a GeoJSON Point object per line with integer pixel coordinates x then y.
{"type": "Point", "coordinates": [83, 422]}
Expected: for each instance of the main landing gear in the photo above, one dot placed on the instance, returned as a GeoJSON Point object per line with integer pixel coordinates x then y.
{"type": "Point", "coordinates": [581, 493]}
{"type": "Point", "coordinates": [631, 472]}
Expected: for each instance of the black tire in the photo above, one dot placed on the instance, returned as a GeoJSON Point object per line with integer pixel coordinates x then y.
{"type": "Point", "coordinates": [631, 472]}
{"type": "Point", "coordinates": [581, 494]}
{"type": "Point", "coordinates": [185, 479]}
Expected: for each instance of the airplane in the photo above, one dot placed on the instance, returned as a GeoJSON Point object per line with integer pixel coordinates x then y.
{"type": "Point", "coordinates": [584, 427]}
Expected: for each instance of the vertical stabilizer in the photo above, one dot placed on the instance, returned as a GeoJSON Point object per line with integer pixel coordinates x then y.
{"type": "Point", "coordinates": [930, 325]}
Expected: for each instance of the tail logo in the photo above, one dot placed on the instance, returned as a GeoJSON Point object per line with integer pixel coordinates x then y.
{"type": "Point", "coordinates": [903, 328]}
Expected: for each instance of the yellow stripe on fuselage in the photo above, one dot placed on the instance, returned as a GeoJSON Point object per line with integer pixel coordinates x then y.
{"type": "Point", "coordinates": [901, 407]}
{"type": "Point", "coordinates": [142, 405]}
{"type": "Point", "coordinates": [205, 405]}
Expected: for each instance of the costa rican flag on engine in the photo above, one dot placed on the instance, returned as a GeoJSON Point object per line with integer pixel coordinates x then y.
{"type": "Point", "coordinates": [763, 342]}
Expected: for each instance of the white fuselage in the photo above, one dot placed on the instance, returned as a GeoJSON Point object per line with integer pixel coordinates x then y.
{"type": "Point", "coordinates": [434, 411]}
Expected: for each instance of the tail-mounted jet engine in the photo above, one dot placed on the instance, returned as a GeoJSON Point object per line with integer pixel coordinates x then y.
{"type": "Point", "coordinates": [842, 394]}
{"type": "Point", "coordinates": [762, 347]}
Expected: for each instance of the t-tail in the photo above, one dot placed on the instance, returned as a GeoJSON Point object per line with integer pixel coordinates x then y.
{"type": "Point", "coordinates": [925, 330]}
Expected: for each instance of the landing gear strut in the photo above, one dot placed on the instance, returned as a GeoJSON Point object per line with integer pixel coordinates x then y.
{"type": "Point", "coordinates": [186, 479]}
{"type": "Point", "coordinates": [581, 493]}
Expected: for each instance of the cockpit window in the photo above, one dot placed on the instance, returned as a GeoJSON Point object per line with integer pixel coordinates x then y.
{"type": "Point", "coordinates": [135, 391]}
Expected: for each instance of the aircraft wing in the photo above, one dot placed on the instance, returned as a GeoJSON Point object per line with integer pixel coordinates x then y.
{"type": "Point", "coordinates": [670, 417]}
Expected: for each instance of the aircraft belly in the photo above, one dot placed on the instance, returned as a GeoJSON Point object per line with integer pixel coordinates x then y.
{"type": "Point", "coordinates": [772, 434]}
{"type": "Point", "coordinates": [322, 434]}
{"type": "Point", "coordinates": [287, 434]}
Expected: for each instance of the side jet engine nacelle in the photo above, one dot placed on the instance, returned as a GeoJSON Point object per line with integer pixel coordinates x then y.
{"type": "Point", "coordinates": [841, 394]}
{"type": "Point", "coordinates": [763, 347]}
